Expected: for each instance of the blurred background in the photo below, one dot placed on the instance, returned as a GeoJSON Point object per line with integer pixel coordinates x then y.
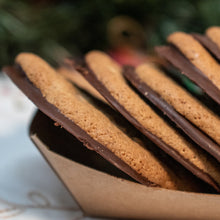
{"type": "Point", "coordinates": [57, 28]}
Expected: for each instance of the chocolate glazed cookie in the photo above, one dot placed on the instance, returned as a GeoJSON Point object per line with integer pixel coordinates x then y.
{"type": "Point", "coordinates": [106, 76]}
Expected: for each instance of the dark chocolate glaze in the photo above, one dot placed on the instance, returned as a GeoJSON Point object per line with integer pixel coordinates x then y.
{"type": "Point", "coordinates": [87, 72]}
{"type": "Point", "coordinates": [208, 44]}
{"type": "Point", "coordinates": [34, 94]}
{"type": "Point", "coordinates": [179, 61]}
{"type": "Point", "coordinates": [195, 134]}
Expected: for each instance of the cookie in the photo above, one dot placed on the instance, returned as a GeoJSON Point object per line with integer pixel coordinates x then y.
{"type": "Point", "coordinates": [106, 76]}
{"type": "Point", "coordinates": [179, 61]}
{"type": "Point", "coordinates": [210, 41]}
{"type": "Point", "coordinates": [62, 102]}
{"type": "Point", "coordinates": [199, 57]}
{"type": "Point", "coordinates": [178, 105]}
{"type": "Point", "coordinates": [213, 33]}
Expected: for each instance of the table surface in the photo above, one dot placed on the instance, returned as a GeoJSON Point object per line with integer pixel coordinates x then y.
{"type": "Point", "coordinates": [29, 188]}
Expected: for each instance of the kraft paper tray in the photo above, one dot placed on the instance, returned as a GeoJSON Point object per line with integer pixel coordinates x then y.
{"type": "Point", "coordinates": [102, 190]}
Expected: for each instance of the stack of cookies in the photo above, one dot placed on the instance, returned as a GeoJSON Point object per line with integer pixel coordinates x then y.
{"type": "Point", "coordinates": [150, 127]}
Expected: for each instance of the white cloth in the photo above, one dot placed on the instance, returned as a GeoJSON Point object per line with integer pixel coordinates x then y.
{"type": "Point", "coordinates": [29, 189]}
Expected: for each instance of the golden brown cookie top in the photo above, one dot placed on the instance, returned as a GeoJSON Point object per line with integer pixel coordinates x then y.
{"type": "Point", "coordinates": [181, 100]}
{"type": "Point", "coordinates": [197, 55]}
{"type": "Point", "coordinates": [61, 93]}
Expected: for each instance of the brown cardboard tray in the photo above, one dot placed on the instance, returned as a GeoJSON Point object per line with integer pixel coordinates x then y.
{"type": "Point", "coordinates": [102, 190]}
